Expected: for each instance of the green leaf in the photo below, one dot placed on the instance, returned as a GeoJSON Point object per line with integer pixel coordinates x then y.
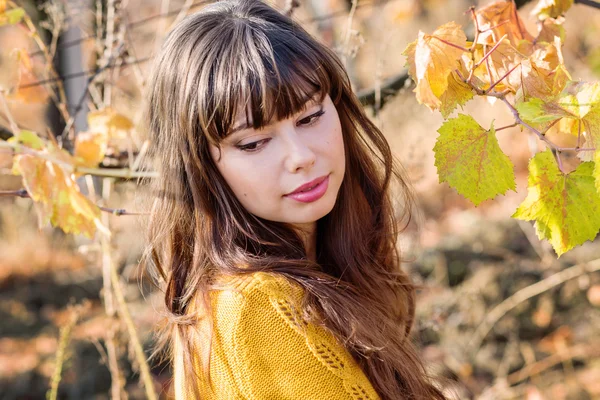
{"type": "Point", "coordinates": [577, 109]}
{"type": "Point", "coordinates": [12, 17]}
{"type": "Point", "coordinates": [457, 93]}
{"type": "Point", "coordinates": [469, 158]}
{"type": "Point", "coordinates": [566, 207]}
{"type": "Point", "coordinates": [28, 138]}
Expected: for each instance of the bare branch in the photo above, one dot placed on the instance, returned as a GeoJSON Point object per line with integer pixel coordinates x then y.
{"type": "Point", "coordinates": [115, 211]}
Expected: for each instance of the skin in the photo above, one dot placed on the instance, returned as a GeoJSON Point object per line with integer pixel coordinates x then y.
{"type": "Point", "coordinates": [278, 158]}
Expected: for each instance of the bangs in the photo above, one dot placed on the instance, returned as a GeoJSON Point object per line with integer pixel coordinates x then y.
{"type": "Point", "coordinates": [255, 80]}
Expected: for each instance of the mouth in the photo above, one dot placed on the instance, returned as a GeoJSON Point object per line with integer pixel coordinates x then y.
{"type": "Point", "coordinates": [310, 191]}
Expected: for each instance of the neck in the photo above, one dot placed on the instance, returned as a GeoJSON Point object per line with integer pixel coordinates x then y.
{"type": "Point", "coordinates": [308, 233]}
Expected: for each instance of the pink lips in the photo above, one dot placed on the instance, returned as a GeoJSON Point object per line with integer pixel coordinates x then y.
{"type": "Point", "coordinates": [319, 188]}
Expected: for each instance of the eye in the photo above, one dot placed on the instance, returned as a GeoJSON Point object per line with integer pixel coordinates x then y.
{"type": "Point", "coordinates": [311, 119]}
{"type": "Point", "coordinates": [253, 146]}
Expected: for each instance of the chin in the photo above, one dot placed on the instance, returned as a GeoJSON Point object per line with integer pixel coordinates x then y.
{"type": "Point", "coordinates": [311, 212]}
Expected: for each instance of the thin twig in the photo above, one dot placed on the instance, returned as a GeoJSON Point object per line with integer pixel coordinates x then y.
{"type": "Point", "coordinates": [489, 52]}
{"type": "Point", "coordinates": [501, 79]}
{"type": "Point", "coordinates": [65, 337]}
{"type": "Point", "coordinates": [93, 72]}
{"type": "Point", "coordinates": [578, 351]}
{"type": "Point", "coordinates": [346, 50]}
{"type": "Point", "coordinates": [589, 3]}
{"type": "Point", "coordinates": [140, 356]}
{"type": "Point", "coordinates": [115, 211]}
{"type": "Point", "coordinates": [61, 100]}
{"type": "Point", "coordinates": [452, 44]}
{"type": "Point", "coordinates": [108, 297]}
{"type": "Point", "coordinates": [507, 126]}
{"type": "Point", "coordinates": [524, 294]}
{"type": "Point", "coordinates": [532, 129]}
{"type": "Point", "coordinates": [124, 173]}
{"type": "Point", "coordinates": [477, 30]}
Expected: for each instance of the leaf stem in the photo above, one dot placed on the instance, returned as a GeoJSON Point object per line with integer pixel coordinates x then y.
{"type": "Point", "coordinates": [501, 79]}
{"type": "Point", "coordinates": [477, 30]}
{"type": "Point", "coordinates": [553, 147]}
{"type": "Point", "coordinates": [451, 44]}
{"type": "Point", "coordinates": [496, 26]}
{"type": "Point", "coordinates": [489, 52]}
{"type": "Point", "coordinates": [525, 124]}
{"type": "Point", "coordinates": [577, 149]}
{"type": "Point", "coordinates": [507, 126]}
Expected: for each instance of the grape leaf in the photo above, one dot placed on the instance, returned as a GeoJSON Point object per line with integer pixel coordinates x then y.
{"type": "Point", "coordinates": [17, 71]}
{"type": "Point", "coordinates": [579, 101]}
{"type": "Point", "coordinates": [501, 61]}
{"type": "Point", "coordinates": [11, 17]}
{"type": "Point", "coordinates": [432, 63]}
{"type": "Point", "coordinates": [28, 138]}
{"type": "Point", "coordinates": [499, 19]}
{"type": "Point", "coordinates": [566, 207]}
{"type": "Point", "coordinates": [469, 158]}
{"type": "Point", "coordinates": [551, 8]}
{"type": "Point", "coordinates": [55, 194]}
{"type": "Point", "coordinates": [457, 93]}
{"type": "Point", "coordinates": [90, 148]}
{"type": "Point", "coordinates": [551, 28]}
{"type": "Point", "coordinates": [111, 122]}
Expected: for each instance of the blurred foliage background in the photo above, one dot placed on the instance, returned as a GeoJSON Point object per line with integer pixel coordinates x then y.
{"type": "Point", "coordinates": [473, 262]}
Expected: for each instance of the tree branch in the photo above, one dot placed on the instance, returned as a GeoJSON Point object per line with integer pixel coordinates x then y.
{"type": "Point", "coordinates": [589, 3]}
{"type": "Point", "coordinates": [115, 211]}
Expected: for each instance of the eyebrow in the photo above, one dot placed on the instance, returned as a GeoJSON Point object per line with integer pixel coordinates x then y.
{"type": "Point", "coordinates": [249, 125]}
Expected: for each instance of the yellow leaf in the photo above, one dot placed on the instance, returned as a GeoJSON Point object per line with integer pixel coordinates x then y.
{"type": "Point", "coordinates": [57, 196]}
{"type": "Point", "coordinates": [538, 82]}
{"type": "Point", "coordinates": [457, 93]}
{"type": "Point", "coordinates": [18, 71]}
{"type": "Point", "coordinates": [502, 60]}
{"type": "Point", "coordinates": [90, 148]}
{"type": "Point", "coordinates": [499, 19]}
{"type": "Point", "coordinates": [551, 28]}
{"type": "Point", "coordinates": [110, 122]}
{"type": "Point", "coordinates": [551, 8]}
{"type": "Point", "coordinates": [432, 59]}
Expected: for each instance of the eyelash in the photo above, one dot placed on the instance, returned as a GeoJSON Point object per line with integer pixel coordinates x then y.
{"type": "Point", "coordinates": [314, 118]}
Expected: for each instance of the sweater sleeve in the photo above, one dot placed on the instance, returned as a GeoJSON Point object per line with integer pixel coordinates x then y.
{"type": "Point", "coordinates": [278, 355]}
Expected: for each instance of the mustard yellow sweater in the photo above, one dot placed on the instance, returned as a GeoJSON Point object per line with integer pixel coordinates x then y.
{"type": "Point", "coordinates": [263, 349]}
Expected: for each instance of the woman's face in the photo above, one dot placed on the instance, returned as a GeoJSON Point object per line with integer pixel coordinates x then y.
{"type": "Point", "coordinates": [262, 167]}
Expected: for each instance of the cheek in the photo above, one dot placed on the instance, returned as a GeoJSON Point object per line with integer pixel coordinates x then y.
{"type": "Point", "coordinates": [249, 178]}
{"type": "Point", "coordinates": [337, 144]}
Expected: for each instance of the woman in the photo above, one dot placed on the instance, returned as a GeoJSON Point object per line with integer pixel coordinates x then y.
{"type": "Point", "coordinates": [273, 235]}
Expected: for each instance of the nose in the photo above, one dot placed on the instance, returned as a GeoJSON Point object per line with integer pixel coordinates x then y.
{"type": "Point", "coordinates": [299, 155]}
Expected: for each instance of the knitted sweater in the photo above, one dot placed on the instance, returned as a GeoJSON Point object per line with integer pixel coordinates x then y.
{"type": "Point", "coordinates": [264, 350]}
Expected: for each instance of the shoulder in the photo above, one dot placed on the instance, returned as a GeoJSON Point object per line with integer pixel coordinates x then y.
{"type": "Point", "coordinates": [267, 283]}
{"type": "Point", "coordinates": [263, 336]}
{"type": "Point", "coordinates": [254, 297]}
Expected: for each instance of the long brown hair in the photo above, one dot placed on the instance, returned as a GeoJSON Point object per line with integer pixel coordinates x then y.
{"type": "Point", "coordinates": [236, 52]}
